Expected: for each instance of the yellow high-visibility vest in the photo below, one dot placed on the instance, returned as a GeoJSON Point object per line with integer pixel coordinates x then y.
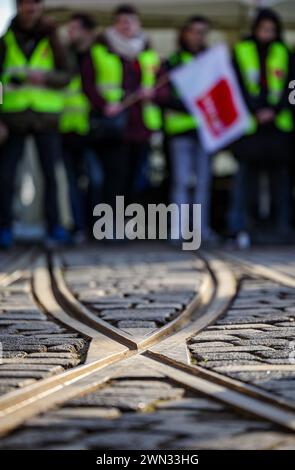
{"type": "Point", "coordinates": [109, 80]}
{"type": "Point", "coordinates": [75, 115]}
{"type": "Point", "coordinates": [179, 122]}
{"type": "Point", "coordinates": [22, 96]}
{"type": "Point", "coordinates": [277, 69]}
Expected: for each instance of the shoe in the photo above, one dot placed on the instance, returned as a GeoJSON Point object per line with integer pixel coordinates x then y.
{"type": "Point", "coordinates": [243, 240]}
{"type": "Point", "coordinates": [6, 238]}
{"type": "Point", "coordinates": [58, 236]}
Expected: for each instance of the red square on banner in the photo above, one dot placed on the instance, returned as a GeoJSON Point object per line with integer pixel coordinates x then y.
{"type": "Point", "coordinates": [219, 108]}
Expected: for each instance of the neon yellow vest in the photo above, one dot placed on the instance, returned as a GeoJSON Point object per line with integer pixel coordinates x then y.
{"type": "Point", "coordinates": [21, 98]}
{"type": "Point", "coordinates": [109, 80]}
{"type": "Point", "coordinates": [150, 62]}
{"type": "Point", "coordinates": [75, 115]}
{"type": "Point", "coordinates": [109, 74]}
{"type": "Point", "coordinates": [179, 122]}
{"type": "Point", "coordinates": [277, 65]}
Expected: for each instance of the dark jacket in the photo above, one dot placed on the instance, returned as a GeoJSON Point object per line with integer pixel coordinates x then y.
{"type": "Point", "coordinates": [28, 40]}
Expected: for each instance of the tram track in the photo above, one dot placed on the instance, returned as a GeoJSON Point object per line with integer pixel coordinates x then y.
{"type": "Point", "coordinates": [165, 350]}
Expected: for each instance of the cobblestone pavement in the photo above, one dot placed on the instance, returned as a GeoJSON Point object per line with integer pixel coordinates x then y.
{"type": "Point", "coordinates": [283, 260]}
{"type": "Point", "coordinates": [255, 339]}
{"type": "Point", "coordinates": [34, 346]}
{"type": "Point", "coordinates": [139, 291]}
{"type": "Point", "coordinates": [145, 410]}
{"type": "Point", "coordinates": [136, 291]}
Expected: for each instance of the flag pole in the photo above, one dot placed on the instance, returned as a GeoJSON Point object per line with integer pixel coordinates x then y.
{"type": "Point", "coordinates": [135, 97]}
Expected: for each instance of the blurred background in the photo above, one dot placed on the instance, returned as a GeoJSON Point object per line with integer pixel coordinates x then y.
{"type": "Point", "coordinates": [161, 18]}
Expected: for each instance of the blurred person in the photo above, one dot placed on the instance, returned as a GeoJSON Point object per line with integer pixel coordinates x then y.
{"type": "Point", "coordinates": [74, 126]}
{"type": "Point", "coordinates": [190, 164]}
{"type": "Point", "coordinates": [133, 68]}
{"type": "Point", "coordinates": [141, 65]}
{"type": "Point", "coordinates": [263, 64]}
{"type": "Point", "coordinates": [33, 72]}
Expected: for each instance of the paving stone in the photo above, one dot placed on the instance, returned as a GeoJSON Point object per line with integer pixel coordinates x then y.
{"type": "Point", "coordinates": [28, 362]}
{"type": "Point", "coordinates": [158, 316]}
{"type": "Point", "coordinates": [219, 337]}
{"type": "Point", "coordinates": [102, 300]}
{"type": "Point", "coordinates": [245, 441]}
{"type": "Point", "coordinates": [137, 324]}
{"type": "Point", "coordinates": [159, 305]}
{"type": "Point", "coordinates": [33, 439]}
{"type": "Point", "coordinates": [62, 348]}
{"type": "Point", "coordinates": [17, 317]}
{"type": "Point", "coordinates": [23, 367]}
{"type": "Point", "coordinates": [211, 344]}
{"type": "Point", "coordinates": [78, 344]}
{"type": "Point", "coordinates": [227, 356]}
{"type": "Point", "coordinates": [228, 349]}
{"type": "Point", "coordinates": [47, 355]}
{"type": "Point", "coordinates": [127, 441]}
{"type": "Point", "coordinates": [13, 354]}
{"type": "Point", "coordinates": [34, 374]}
{"type": "Point", "coordinates": [58, 423]}
{"type": "Point", "coordinates": [270, 342]}
{"type": "Point", "coordinates": [233, 327]}
{"type": "Point", "coordinates": [128, 398]}
{"type": "Point", "coordinates": [5, 389]}
{"type": "Point", "coordinates": [16, 382]}
{"type": "Point", "coordinates": [84, 413]}
{"type": "Point", "coordinates": [193, 404]}
{"type": "Point", "coordinates": [282, 354]}
{"type": "Point", "coordinates": [26, 348]}
{"type": "Point", "coordinates": [235, 362]}
{"type": "Point", "coordinates": [111, 306]}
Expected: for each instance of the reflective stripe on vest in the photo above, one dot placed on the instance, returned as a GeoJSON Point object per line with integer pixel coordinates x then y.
{"type": "Point", "coordinates": [18, 98]}
{"type": "Point", "coordinates": [277, 64]}
{"type": "Point", "coordinates": [150, 62]}
{"type": "Point", "coordinates": [179, 122]}
{"type": "Point", "coordinates": [75, 116]}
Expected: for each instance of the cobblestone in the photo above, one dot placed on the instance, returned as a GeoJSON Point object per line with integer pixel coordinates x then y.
{"type": "Point", "coordinates": [136, 287]}
{"type": "Point", "coordinates": [250, 334]}
{"type": "Point", "coordinates": [176, 420]}
{"type": "Point", "coordinates": [28, 336]}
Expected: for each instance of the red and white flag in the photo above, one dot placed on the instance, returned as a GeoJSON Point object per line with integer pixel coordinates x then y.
{"type": "Point", "coordinates": [209, 88]}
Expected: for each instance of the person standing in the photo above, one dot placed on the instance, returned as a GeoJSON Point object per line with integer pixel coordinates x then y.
{"type": "Point", "coordinates": [141, 65]}
{"type": "Point", "coordinates": [263, 65]}
{"type": "Point", "coordinates": [33, 72]}
{"type": "Point", "coordinates": [74, 126]}
{"type": "Point", "coordinates": [190, 164]}
{"type": "Point", "coordinates": [120, 64]}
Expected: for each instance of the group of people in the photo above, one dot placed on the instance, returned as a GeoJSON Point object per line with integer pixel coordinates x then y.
{"type": "Point", "coordinates": [95, 100]}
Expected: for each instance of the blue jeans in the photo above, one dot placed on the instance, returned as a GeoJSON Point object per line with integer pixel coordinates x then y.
{"type": "Point", "coordinates": [191, 164]}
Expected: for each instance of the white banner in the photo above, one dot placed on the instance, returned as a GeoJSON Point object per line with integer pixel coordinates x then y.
{"type": "Point", "coordinates": [209, 88]}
